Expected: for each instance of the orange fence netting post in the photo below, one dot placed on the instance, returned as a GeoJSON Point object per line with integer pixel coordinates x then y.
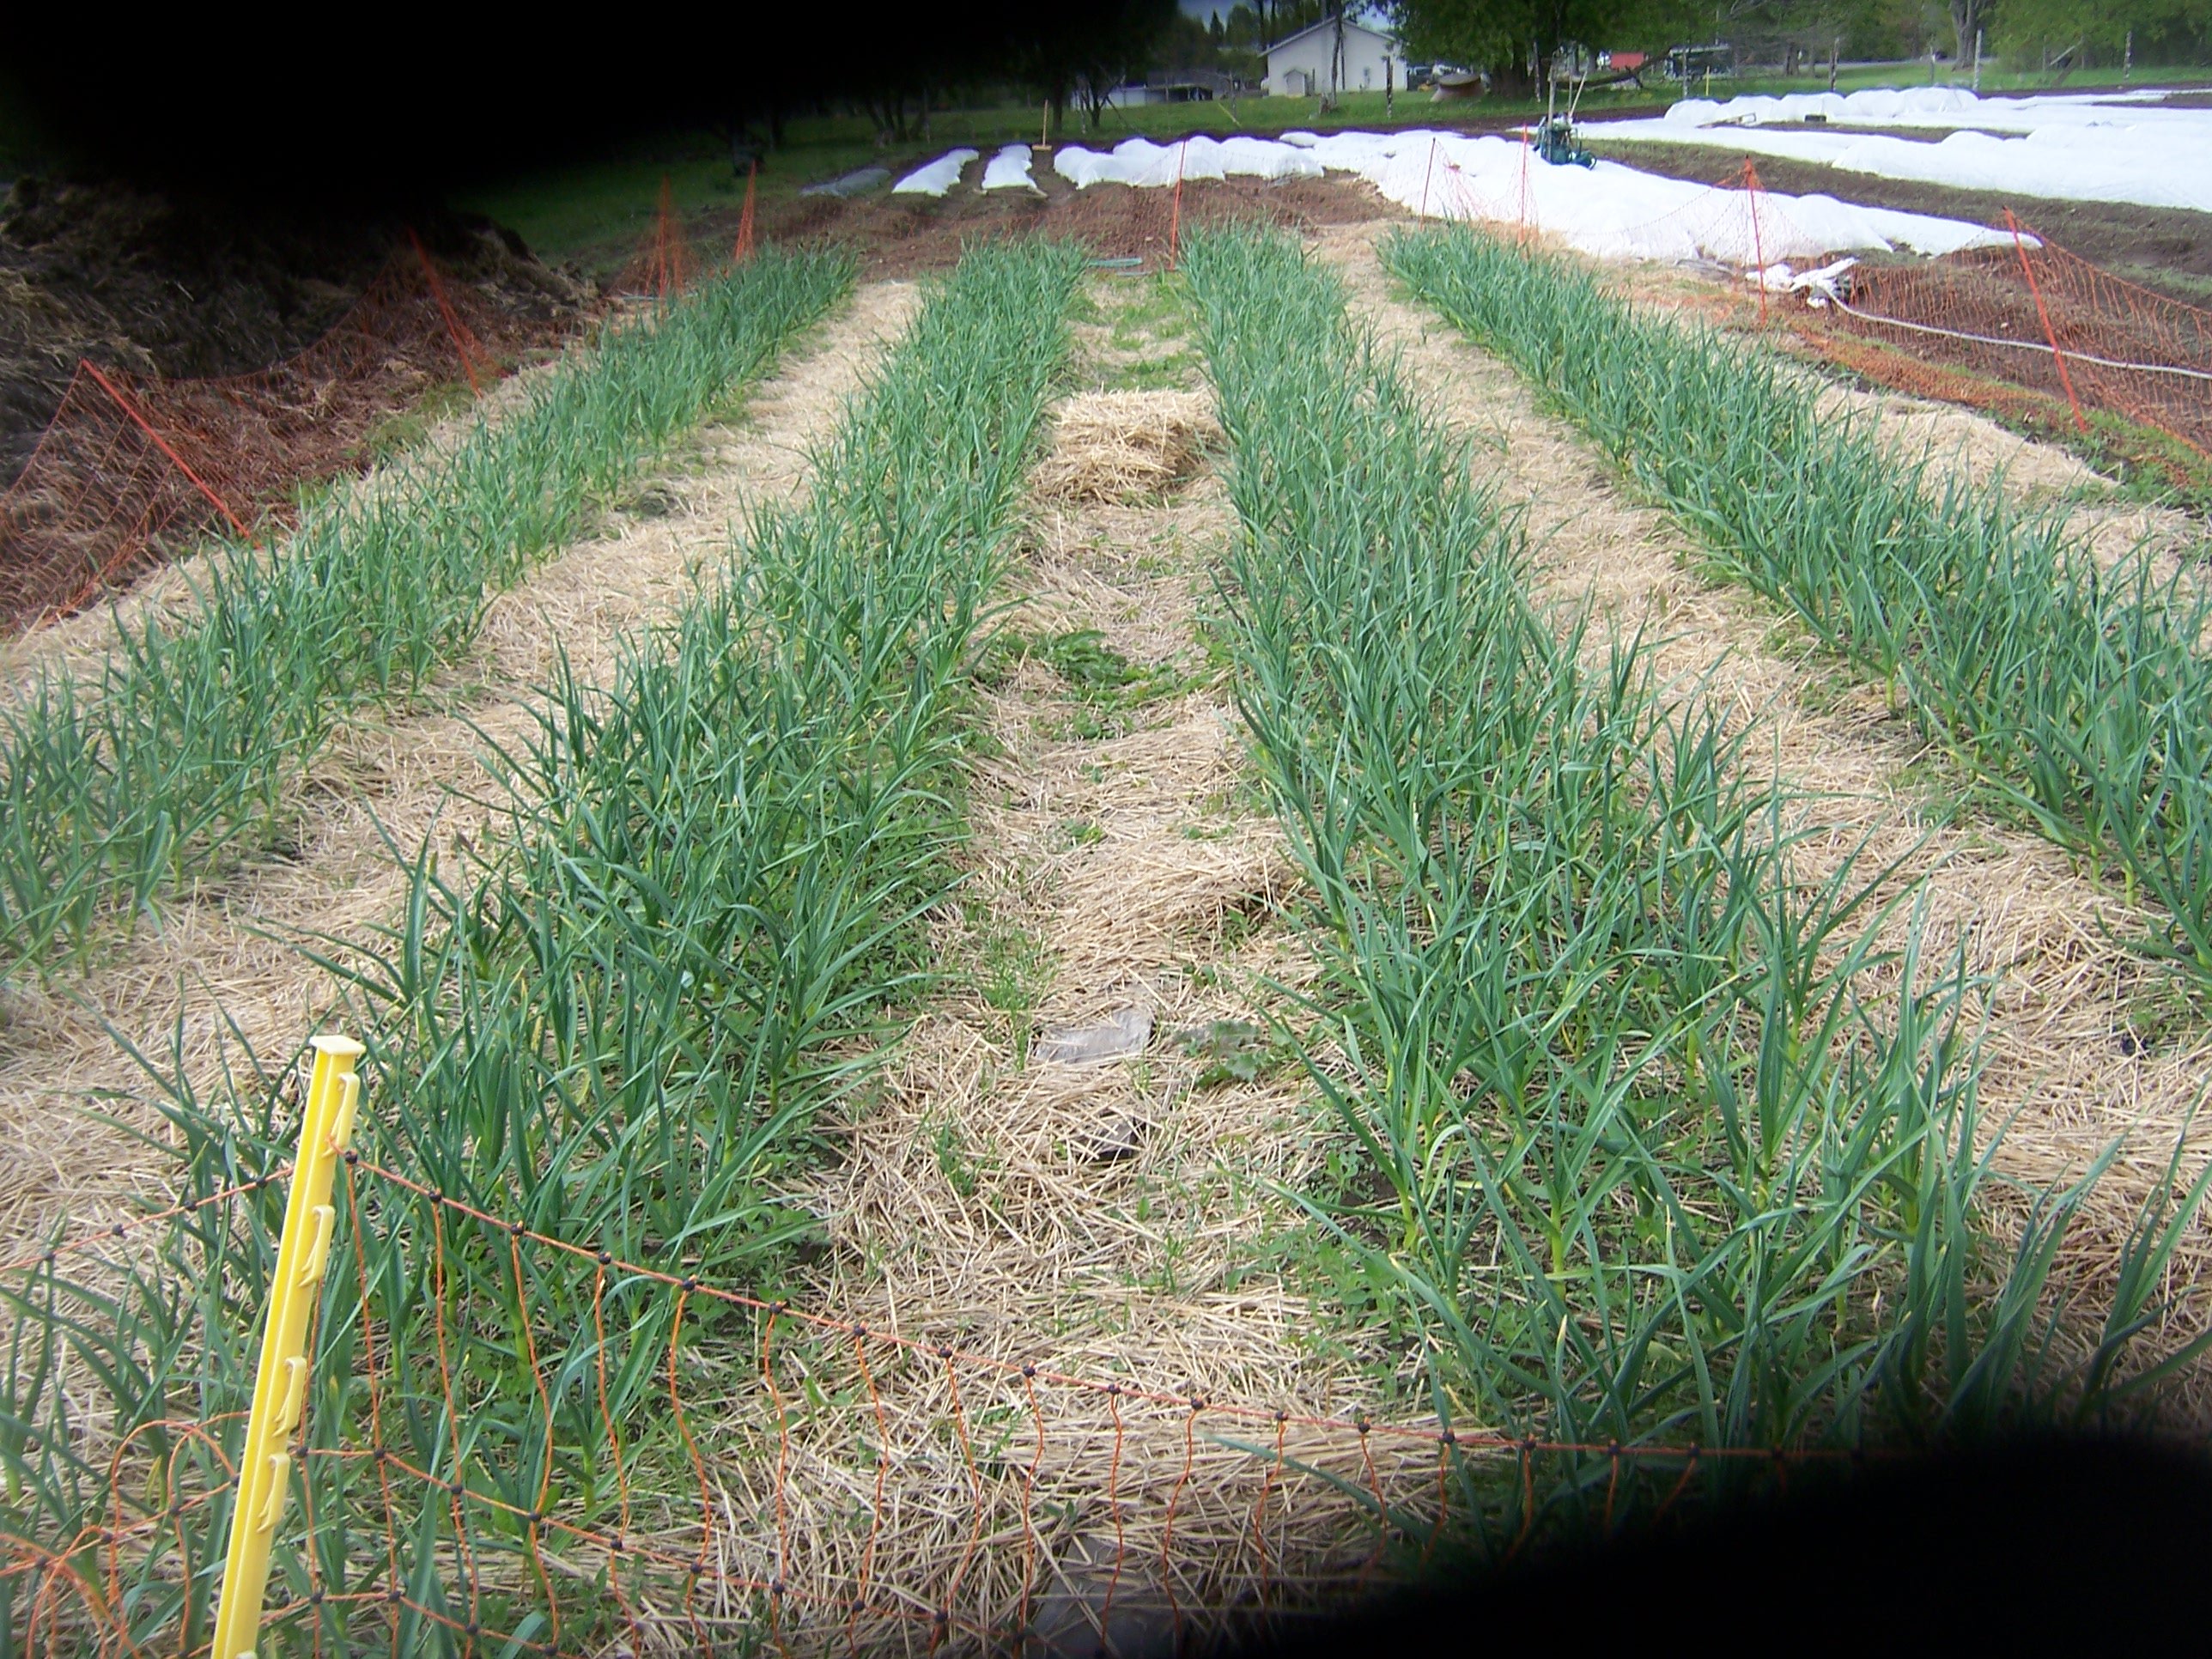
{"type": "Point", "coordinates": [744, 249]}
{"type": "Point", "coordinates": [1174, 213]}
{"type": "Point", "coordinates": [464, 344]}
{"type": "Point", "coordinates": [161, 443]}
{"type": "Point", "coordinates": [1758, 244]}
{"type": "Point", "coordinates": [2042, 312]}
{"type": "Point", "coordinates": [1521, 234]}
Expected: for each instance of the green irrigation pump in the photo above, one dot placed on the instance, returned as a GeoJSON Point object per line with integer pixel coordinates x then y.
{"type": "Point", "coordinates": [1555, 141]}
{"type": "Point", "coordinates": [1554, 136]}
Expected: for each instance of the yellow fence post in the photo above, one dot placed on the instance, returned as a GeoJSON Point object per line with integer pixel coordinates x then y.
{"type": "Point", "coordinates": [280, 1386]}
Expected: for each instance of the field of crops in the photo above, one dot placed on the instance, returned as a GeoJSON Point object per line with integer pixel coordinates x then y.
{"type": "Point", "coordinates": [185, 747]}
{"type": "Point", "coordinates": [2074, 689]}
{"type": "Point", "coordinates": [736, 1247]}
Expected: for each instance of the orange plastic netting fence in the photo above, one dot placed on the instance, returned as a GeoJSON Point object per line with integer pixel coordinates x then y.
{"type": "Point", "coordinates": [132, 469]}
{"type": "Point", "coordinates": [2021, 328]}
{"type": "Point", "coordinates": [672, 258]}
{"type": "Point", "coordinates": [520, 1443]}
{"type": "Point", "coordinates": [2030, 315]}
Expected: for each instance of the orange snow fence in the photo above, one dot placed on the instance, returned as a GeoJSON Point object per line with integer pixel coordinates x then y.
{"type": "Point", "coordinates": [132, 468]}
{"type": "Point", "coordinates": [2030, 315]}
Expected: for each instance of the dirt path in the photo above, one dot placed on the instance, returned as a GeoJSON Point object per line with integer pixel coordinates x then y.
{"type": "Point", "coordinates": [1111, 1220]}
{"type": "Point", "coordinates": [219, 974]}
{"type": "Point", "coordinates": [2081, 1041]}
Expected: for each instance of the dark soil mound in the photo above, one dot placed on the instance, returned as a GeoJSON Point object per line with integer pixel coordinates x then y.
{"type": "Point", "coordinates": [158, 286]}
{"type": "Point", "coordinates": [899, 236]}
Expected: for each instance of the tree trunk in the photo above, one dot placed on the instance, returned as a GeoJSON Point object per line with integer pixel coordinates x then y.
{"type": "Point", "coordinates": [1965, 16]}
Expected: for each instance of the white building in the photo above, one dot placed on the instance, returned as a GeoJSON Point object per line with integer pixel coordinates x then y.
{"type": "Point", "coordinates": [1300, 65]}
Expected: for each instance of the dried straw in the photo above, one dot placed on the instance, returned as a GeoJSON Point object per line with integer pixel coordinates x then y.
{"type": "Point", "coordinates": [1126, 446]}
{"type": "Point", "coordinates": [1107, 1220]}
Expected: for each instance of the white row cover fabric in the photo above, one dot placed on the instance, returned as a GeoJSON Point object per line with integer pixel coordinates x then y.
{"type": "Point", "coordinates": [935, 178]}
{"type": "Point", "coordinates": [1010, 170]}
{"type": "Point", "coordinates": [1610, 210]}
{"type": "Point", "coordinates": [2101, 148]}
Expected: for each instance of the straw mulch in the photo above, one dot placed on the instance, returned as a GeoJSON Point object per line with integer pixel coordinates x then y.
{"type": "Point", "coordinates": [1127, 446]}
{"type": "Point", "coordinates": [1112, 1221]}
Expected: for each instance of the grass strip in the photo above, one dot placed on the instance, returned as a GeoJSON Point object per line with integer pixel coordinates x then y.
{"type": "Point", "coordinates": [614, 1028]}
{"type": "Point", "coordinates": [2075, 691]}
{"type": "Point", "coordinates": [1670, 1150]}
{"type": "Point", "coordinates": [187, 747]}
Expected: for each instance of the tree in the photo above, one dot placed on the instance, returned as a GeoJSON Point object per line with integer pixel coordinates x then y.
{"type": "Point", "coordinates": [1498, 34]}
{"type": "Point", "coordinates": [2171, 31]}
{"type": "Point", "coordinates": [1056, 49]}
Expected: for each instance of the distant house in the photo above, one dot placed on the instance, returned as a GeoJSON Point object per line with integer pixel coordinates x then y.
{"type": "Point", "coordinates": [1300, 65]}
{"type": "Point", "coordinates": [1177, 87]}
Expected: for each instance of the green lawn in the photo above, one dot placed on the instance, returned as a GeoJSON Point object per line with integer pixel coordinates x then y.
{"type": "Point", "coordinates": [1914, 72]}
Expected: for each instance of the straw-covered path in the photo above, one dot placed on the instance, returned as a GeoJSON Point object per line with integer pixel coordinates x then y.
{"type": "Point", "coordinates": [1119, 1220]}
{"type": "Point", "coordinates": [222, 975]}
{"type": "Point", "coordinates": [2083, 1043]}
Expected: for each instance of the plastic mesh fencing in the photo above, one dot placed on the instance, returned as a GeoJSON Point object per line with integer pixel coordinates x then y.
{"type": "Point", "coordinates": [2033, 315]}
{"type": "Point", "coordinates": [2026, 330]}
{"type": "Point", "coordinates": [671, 257]}
{"type": "Point", "coordinates": [519, 1443]}
{"type": "Point", "coordinates": [132, 469]}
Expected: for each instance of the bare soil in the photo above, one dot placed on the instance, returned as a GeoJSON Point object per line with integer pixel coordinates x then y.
{"type": "Point", "coordinates": [903, 235]}
{"type": "Point", "coordinates": [181, 290]}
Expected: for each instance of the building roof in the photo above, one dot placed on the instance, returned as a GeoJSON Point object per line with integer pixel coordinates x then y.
{"type": "Point", "coordinates": [1330, 23]}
